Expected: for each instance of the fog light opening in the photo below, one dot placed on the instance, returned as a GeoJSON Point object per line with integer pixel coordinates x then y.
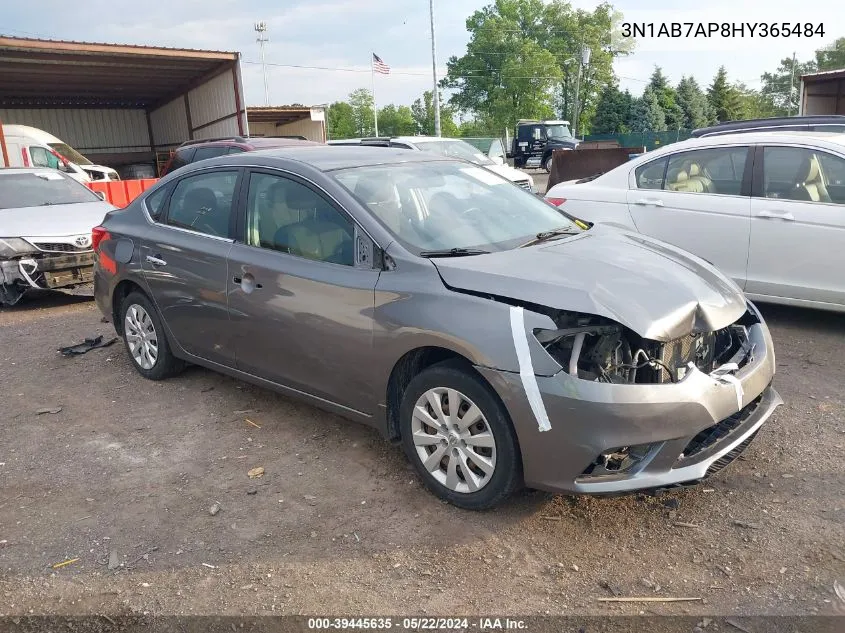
{"type": "Point", "coordinates": [624, 459]}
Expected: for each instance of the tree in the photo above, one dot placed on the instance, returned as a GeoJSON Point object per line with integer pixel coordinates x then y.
{"type": "Point", "coordinates": [646, 113]}
{"type": "Point", "coordinates": [780, 88]}
{"type": "Point", "coordinates": [341, 121]}
{"type": "Point", "coordinates": [753, 104]}
{"type": "Point", "coordinates": [361, 102]}
{"type": "Point", "coordinates": [422, 112]}
{"type": "Point", "coordinates": [724, 98]}
{"type": "Point", "coordinates": [831, 57]}
{"type": "Point", "coordinates": [613, 111]}
{"type": "Point", "coordinates": [667, 98]}
{"type": "Point", "coordinates": [692, 101]}
{"type": "Point", "coordinates": [523, 57]}
{"type": "Point", "coordinates": [396, 121]}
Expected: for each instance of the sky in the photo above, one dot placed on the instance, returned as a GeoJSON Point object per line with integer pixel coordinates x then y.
{"type": "Point", "coordinates": [341, 34]}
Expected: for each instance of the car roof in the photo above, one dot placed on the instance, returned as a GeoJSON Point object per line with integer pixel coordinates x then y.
{"type": "Point", "coordinates": [256, 141]}
{"type": "Point", "coordinates": [6, 171]}
{"type": "Point", "coordinates": [329, 158]}
{"type": "Point", "coordinates": [820, 119]}
{"type": "Point", "coordinates": [753, 138]}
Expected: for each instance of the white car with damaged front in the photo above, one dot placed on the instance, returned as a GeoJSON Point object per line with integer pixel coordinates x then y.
{"type": "Point", "coordinates": [768, 209]}
{"type": "Point", "coordinates": [46, 219]}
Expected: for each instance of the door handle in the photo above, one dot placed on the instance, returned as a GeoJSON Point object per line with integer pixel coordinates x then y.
{"type": "Point", "coordinates": [247, 283]}
{"type": "Point", "coordinates": [776, 215]}
{"type": "Point", "coordinates": [156, 261]}
{"type": "Point", "coordinates": [649, 202]}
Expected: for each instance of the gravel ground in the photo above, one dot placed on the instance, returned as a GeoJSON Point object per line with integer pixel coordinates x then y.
{"type": "Point", "coordinates": [122, 480]}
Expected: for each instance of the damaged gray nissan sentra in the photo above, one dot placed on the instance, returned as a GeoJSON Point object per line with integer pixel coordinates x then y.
{"type": "Point", "coordinates": [501, 342]}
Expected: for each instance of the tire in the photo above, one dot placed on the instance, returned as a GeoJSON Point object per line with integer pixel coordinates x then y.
{"type": "Point", "coordinates": [547, 164]}
{"type": "Point", "coordinates": [466, 485]}
{"type": "Point", "coordinates": [144, 329]}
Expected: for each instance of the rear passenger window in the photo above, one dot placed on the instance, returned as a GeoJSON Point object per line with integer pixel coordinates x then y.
{"type": "Point", "coordinates": [717, 170]}
{"type": "Point", "coordinates": [650, 175]}
{"type": "Point", "coordinates": [181, 158]}
{"type": "Point", "coordinates": [236, 150]}
{"type": "Point", "coordinates": [203, 203]}
{"type": "Point", "coordinates": [209, 152]}
{"type": "Point", "coordinates": [155, 203]}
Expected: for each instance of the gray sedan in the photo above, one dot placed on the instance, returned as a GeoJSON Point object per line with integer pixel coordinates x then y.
{"type": "Point", "coordinates": [500, 341]}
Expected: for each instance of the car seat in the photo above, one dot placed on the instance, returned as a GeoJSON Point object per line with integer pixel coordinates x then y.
{"type": "Point", "coordinates": [200, 210]}
{"type": "Point", "coordinates": [322, 233]}
{"type": "Point", "coordinates": [810, 184]}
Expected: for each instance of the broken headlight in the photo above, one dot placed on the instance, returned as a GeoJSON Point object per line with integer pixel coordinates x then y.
{"type": "Point", "coordinates": [14, 246]}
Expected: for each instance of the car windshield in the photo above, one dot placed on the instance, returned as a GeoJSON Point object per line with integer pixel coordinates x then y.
{"type": "Point", "coordinates": [558, 131]}
{"type": "Point", "coordinates": [437, 205]}
{"type": "Point", "coordinates": [29, 189]}
{"type": "Point", "coordinates": [453, 148]}
{"type": "Point", "coordinates": [71, 154]}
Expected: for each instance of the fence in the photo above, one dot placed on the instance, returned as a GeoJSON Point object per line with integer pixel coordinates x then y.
{"type": "Point", "coordinates": [649, 140]}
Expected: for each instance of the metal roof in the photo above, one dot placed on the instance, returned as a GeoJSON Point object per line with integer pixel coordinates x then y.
{"type": "Point", "coordinates": [58, 73]}
{"type": "Point", "coordinates": [824, 75]}
{"type": "Point", "coordinates": [279, 114]}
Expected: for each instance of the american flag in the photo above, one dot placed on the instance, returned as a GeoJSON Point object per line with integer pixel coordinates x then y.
{"type": "Point", "coordinates": [379, 66]}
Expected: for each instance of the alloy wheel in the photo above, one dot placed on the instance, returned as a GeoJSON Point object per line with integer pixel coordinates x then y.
{"type": "Point", "coordinates": [453, 440]}
{"type": "Point", "coordinates": [141, 337]}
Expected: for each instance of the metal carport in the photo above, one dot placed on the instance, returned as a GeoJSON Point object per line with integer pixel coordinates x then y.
{"type": "Point", "coordinates": [120, 104]}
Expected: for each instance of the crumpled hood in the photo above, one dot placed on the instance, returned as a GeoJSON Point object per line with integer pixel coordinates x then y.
{"type": "Point", "coordinates": [658, 291]}
{"type": "Point", "coordinates": [53, 221]}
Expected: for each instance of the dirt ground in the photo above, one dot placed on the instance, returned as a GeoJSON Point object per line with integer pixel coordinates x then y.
{"type": "Point", "coordinates": [121, 482]}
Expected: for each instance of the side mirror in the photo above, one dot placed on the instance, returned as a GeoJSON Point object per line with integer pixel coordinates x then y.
{"type": "Point", "coordinates": [498, 160]}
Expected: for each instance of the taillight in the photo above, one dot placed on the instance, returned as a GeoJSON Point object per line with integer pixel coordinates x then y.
{"type": "Point", "coordinates": [555, 202]}
{"type": "Point", "coordinates": [98, 234]}
{"type": "Point", "coordinates": [25, 157]}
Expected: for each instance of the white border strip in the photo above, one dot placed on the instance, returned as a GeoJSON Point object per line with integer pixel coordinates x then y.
{"type": "Point", "coordinates": [526, 369]}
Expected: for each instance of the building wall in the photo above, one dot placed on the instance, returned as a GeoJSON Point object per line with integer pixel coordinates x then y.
{"type": "Point", "coordinates": [312, 130]}
{"type": "Point", "coordinates": [823, 97]}
{"type": "Point", "coordinates": [91, 132]}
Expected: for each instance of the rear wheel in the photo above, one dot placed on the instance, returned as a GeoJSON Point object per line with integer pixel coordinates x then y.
{"type": "Point", "coordinates": [459, 437]}
{"type": "Point", "coordinates": [143, 334]}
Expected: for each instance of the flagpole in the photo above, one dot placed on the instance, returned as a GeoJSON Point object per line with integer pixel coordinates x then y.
{"type": "Point", "coordinates": [373, 78]}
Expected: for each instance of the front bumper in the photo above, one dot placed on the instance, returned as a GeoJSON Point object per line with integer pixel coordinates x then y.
{"type": "Point", "coordinates": [48, 271]}
{"type": "Point", "coordinates": [591, 418]}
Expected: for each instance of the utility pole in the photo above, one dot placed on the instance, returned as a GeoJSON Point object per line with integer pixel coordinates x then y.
{"type": "Point", "coordinates": [585, 60]}
{"type": "Point", "coordinates": [435, 96]}
{"type": "Point", "coordinates": [791, 83]}
{"type": "Point", "coordinates": [261, 29]}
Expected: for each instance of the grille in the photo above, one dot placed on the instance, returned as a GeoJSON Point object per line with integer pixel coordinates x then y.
{"type": "Point", "coordinates": [716, 433]}
{"type": "Point", "coordinates": [726, 459]}
{"type": "Point", "coordinates": [60, 247]}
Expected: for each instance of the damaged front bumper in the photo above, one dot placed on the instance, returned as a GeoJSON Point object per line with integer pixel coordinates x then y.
{"type": "Point", "coordinates": [614, 438]}
{"type": "Point", "coordinates": [46, 271]}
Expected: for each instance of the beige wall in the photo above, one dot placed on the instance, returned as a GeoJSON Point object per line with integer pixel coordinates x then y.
{"type": "Point", "coordinates": [312, 130]}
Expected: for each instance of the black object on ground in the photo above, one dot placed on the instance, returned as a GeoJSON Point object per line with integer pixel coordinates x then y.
{"type": "Point", "coordinates": [87, 346]}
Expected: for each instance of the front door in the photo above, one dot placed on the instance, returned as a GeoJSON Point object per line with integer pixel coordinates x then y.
{"type": "Point", "coordinates": [300, 297]}
{"type": "Point", "coordinates": [184, 261]}
{"type": "Point", "coordinates": [798, 226]}
{"type": "Point", "coordinates": [700, 201]}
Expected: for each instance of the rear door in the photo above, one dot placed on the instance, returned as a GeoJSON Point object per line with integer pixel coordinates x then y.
{"type": "Point", "coordinates": [798, 225]}
{"type": "Point", "coordinates": [184, 261]}
{"type": "Point", "coordinates": [700, 201]}
{"type": "Point", "coordinates": [302, 291]}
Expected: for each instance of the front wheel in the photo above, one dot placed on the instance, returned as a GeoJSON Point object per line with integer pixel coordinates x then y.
{"type": "Point", "coordinates": [547, 164]}
{"type": "Point", "coordinates": [459, 437]}
{"type": "Point", "coordinates": [143, 334]}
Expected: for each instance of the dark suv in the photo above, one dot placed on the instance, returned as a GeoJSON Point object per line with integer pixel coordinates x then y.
{"type": "Point", "coordinates": [534, 142]}
{"type": "Point", "coordinates": [193, 151]}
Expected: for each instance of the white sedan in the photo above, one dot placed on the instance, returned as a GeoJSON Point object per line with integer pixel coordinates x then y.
{"type": "Point", "coordinates": [767, 208]}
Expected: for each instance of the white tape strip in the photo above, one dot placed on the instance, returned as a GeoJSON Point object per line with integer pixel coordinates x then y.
{"type": "Point", "coordinates": [526, 369]}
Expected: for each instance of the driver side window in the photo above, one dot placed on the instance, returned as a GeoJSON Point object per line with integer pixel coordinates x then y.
{"type": "Point", "coordinates": [203, 203]}
{"type": "Point", "coordinates": [287, 216]}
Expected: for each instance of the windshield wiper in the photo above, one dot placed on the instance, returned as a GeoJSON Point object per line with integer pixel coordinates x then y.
{"type": "Point", "coordinates": [547, 235]}
{"type": "Point", "coordinates": [453, 252]}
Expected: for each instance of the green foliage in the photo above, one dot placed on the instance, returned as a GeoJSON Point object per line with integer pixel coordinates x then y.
{"type": "Point", "coordinates": [724, 98]}
{"type": "Point", "coordinates": [396, 121]}
{"type": "Point", "coordinates": [613, 111]}
{"type": "Point", "coordinates": [667, 98]}
{"type": "Point", "coordinates": [341, 121]}
{"type": "Point", "coordinates": [780, 88]}
{"type": "Point", "coordinates": [695, 109]}
{"type": "Point", "coordinates": [831, 57]}
{"type": "Point", "coordinates": [422, 112]}
{"type": "Point", "coordinates": [361, 101]}
{"type": "Point", "coordinates": [646, 113]}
